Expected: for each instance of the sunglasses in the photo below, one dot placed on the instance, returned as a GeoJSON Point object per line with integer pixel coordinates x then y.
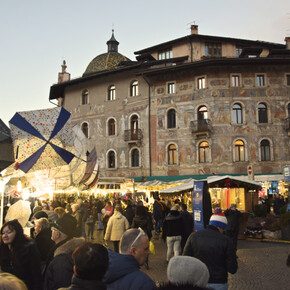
{"type": "Point", "coordinates": [141, 233]}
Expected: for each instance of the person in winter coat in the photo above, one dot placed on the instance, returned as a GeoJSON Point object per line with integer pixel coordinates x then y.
{"type": "Point", "coordinates": [43, 239]}
{"type": "Point", "coordinates": [172, 232]}
{"type": "Point", "coordinates": [124, 268]}
{"type": "Point", "coordinates": [91, 262]}
{"type": "Point", "coordinates": [60, 270]}
{"type": "Point", "coordinates": [233, 216]}
{"type": "Point", "coordinates": [187, 225]}
{"type": "Point", "coordinates": [129, 212]}
{"type": "Point", "coordinates": [19, 256]}
{"type": "Point", "coordinates": [107, 212]}
{"type": "Point", "coordinates": [116, 227]}
{"type": "Point", "coordinates": [77, 214]}
{"type": "Point", "coordinates": [214, 249]}
{"type": "Point", "coordinates": [141, 220]}
{"type": "Point", "coordinates": [158, 214]}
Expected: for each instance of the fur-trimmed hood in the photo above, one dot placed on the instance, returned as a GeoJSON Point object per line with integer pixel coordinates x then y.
{"type": "Point", "coordinates": [69, 246]}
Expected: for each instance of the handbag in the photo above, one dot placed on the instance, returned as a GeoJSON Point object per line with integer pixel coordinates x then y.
{"type": "Point", "coordinates": [152, 248]}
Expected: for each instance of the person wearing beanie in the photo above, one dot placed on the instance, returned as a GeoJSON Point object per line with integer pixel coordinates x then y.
{"type": "Point", "coordinates": [215, 250]}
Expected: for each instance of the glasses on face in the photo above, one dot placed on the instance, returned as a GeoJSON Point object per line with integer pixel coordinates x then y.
{"type": "Point", "coordinates": [141, 233]}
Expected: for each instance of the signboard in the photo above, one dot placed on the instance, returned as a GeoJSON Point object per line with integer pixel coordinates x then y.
{"type": "Point", "coordinates": [197, 206]}
{"type": "Point", "coordinates": [250, 172]}
{"type": "Point", "coordinates": [286, 171]}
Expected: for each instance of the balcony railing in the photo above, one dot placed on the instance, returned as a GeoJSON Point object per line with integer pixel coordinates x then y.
{"type": "Point", "coordinates": [133, 135]}
{"type": "Point", "coordinates": [200, 127]}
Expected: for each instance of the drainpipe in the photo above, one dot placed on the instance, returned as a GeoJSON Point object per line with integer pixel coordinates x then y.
{"type": "Point", "coordinates": [149, 122]}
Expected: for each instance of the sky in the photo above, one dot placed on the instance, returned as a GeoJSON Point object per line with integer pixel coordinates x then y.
{"type": "Point", "coordinates": [37, 35]}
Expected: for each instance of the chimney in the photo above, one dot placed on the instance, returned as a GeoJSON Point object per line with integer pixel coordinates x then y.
{"type": "Point", "coordinates": [287, 39]}
{"type": "Point", "coordinates": [63, 76]}
{"type": "Point", "coordinates": [194, 29]}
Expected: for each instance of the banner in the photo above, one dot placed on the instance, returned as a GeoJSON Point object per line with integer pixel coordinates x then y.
{"type": "Point", "coordinates": [197, 206]}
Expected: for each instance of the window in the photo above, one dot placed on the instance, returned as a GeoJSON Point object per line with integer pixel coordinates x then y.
{"type": "Point", "coordinates": [172, 153]}
{"type": "Point", "coordinates": [85, 97]}
{"type": "Point", "coordinates": [201, 83]}
{"type": "Point", "coordinates": [235, 81]}
{"type": "Point", "coordinates": [239, 150]}
{"type": "Point", "coordinates": [111, 127]}
{"type": "Point", "coordinates": [265, 150]}
{"type": "Point", "coordinates": [85, 129]}
{"type": "Point", "coordinates": [260, 80]}
{"type": "Point", "coordinates": [165, 54]}
{"type": "Point", "coordinates": [111, 93]}
{"type": "Point", "coordinates": [262, 113]}
{"type": "Point", "coordinates": [213, 49]}
{"type": "Point", "coordinates": [171, 88]}
{"type": "Point", "coordinates": [134, 89]}
{"type": "Point", "coordinates": [288, 80]}
{"type": "Point", "coordinates": [134, 127]}
{"type": "Point", "coordinates": [111, 159]}
{"type": "Point", "coordinates": [238, 51]}
{"type": "Point", "coordinates": [288, 109]}
{"type": "Point", "coordinates": [203, 152]}
{"type": "Point", "coordinates": [135, 158]}
{"type": "Point", "coordinates": [171, 119]}
{"type": "Point", "coordinates": [237, 114]}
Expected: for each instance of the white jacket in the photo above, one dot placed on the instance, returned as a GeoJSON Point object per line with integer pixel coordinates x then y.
{"type": "Point", "coordinates": [116, 227]}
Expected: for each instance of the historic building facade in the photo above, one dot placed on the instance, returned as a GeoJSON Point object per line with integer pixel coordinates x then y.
{"type": "Point", "coordinates": [192, 106]}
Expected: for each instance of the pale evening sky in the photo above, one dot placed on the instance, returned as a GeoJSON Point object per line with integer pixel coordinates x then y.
{"type": "Point", "coordinates": [37, 35]}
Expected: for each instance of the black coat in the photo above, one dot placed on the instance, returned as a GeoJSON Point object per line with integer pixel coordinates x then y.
{"type": "Point", "coordinates": [81, 284]}
{"type": "Point", "coordinates": [129, 214]}
{"type": "Point", "coordinates": [144, 223]}
{"type": "Point", "coordinates": [172, 225]}
{"type": "Point", "coordinates": [25, 265]}
{"type": "Point", "coordinates": [215, 250]}
{"type": "Point", "coordinates": [233, 217]}
{"type": "Point", "coordinates": [44, 243]}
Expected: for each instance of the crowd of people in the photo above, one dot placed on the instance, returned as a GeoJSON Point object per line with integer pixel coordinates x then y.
{"type": "Point", "coordinates": [60, 252]}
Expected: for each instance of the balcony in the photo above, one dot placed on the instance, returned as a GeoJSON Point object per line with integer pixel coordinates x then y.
{"type": "Point", "coordinates": [133, 136]}
{"type": "Point", "coordinates": [287, 125]}
{"type": "Point", "coordinates": [201, 128]}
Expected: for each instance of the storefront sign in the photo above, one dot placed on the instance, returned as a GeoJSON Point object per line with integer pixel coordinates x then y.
{"type": "Point", "coordinates": [197, 205]}
{"type": "Point", "coordinates": [287, 174]}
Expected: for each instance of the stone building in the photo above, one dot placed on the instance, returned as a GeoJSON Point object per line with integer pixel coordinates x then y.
{"type": "Point", "coordinates": [191, 106]}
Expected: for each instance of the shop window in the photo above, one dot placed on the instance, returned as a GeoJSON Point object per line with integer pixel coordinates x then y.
{"type": "Point", "coordinates": [111, 127]}
{"type": "Point", "coordinates": [171, 119]}
{"type": "Point", "coordinates": [262, 113]}
{"type": "Point", "coordinates": [111, 93]}
{"type": "Point", "coordinates": [85, 97]}
{"type": "Point", "coordinates": [237, 114]}
{"type": "Point", "coordinates": [135, 158]}
{"type": "Point", "coordinates": [265, 150]}
{"type": "Point", "coordinates": [134, 89]}
{"type": "Point", "coordinates": [172, 154]}
{"type": "Point", "coordinates": [239, 150]}
{"type": "Point", "coordinates": [111, 159]}
{"type": "Point", "coordinates": [85, 129]}
{"type": "Point", "coordinates": [203, 152]}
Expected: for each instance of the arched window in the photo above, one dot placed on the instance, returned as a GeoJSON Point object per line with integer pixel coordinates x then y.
{"type": "Point", "coordinates": [262, 113]}
{"type": "Point", "coordinates": [265, 150]}
{"type": "Point", "coordinates": [135, 158]}
{"type": "Point", "coordinates": [111, 127]}
{"type": "Point", "coordinates": [111, 93]}
{"type": "Point", "coordinates": [203, 152]}
{"type": "Point", "coordinates": [171, 119]}
{"type": "Point", "coordinates": [85, 129]}
{"type": "Point", "coordinates": [111, 159]}
{"type": "Point", "coordinates": [172, 154]}
{"type": "Point", "coordinates": [134, 127]}
{"type": "Point", "coordinates": [202, 118]}
{"type": "Point", "coordinates": [237, 114]}
{"type": "Point", "coordinates": [85, 97]}
{"type": "Point", "coordinates": [134, 89]}
{"type": "Point", "coordinates": [239, 150]}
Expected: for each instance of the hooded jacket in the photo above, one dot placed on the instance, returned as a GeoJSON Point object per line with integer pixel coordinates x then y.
{"type": "Point", "coordinates": [116, 227]}
{"type": "Point", "coordinates": [124, 273]}
{"type": "Point", "coordinates": [60, 270]}
{"type": "Point", "coordinates": [172, 225]}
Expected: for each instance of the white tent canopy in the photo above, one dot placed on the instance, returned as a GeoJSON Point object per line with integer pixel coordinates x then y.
{"type": "Point", "coordinates": [186, 186]}
{"type": "Point", "coordinates": [212, 179]}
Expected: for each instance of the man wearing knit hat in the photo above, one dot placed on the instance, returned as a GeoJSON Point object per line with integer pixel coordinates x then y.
{"type": "Point", "coordinates": [214, 249]}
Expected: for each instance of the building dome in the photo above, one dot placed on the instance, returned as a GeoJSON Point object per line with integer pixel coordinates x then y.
{"type": "Point", "coordinates": [106, 61]}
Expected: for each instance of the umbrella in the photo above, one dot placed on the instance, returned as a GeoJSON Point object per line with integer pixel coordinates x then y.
{"type": "Point", "coordinates": [42, 139]}
{"type": "Point", "coordinates": [20, 210]}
